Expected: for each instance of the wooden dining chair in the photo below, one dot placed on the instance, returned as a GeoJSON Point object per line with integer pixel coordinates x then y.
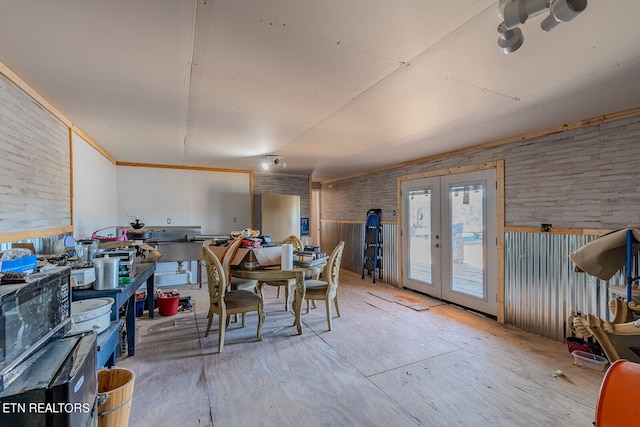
{"type": "Point", "coordinates": [236, 283]}
{"type": "Point", "coordinates": [287, 284]}
{"type": "Point", "coordinates": [328, 291]}
{"type": "Point", "coordinates": [227, 302]}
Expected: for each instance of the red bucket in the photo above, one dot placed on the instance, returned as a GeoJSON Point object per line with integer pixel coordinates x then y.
{"type": "Point", "coordinates": [168, 305]}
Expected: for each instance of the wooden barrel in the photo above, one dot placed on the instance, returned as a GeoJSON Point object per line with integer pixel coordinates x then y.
{"type": "Point", "coordinates": [116, 384]}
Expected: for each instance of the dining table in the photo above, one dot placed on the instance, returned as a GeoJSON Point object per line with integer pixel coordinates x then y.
{"type": "Point", "coordinates": [299, 273]}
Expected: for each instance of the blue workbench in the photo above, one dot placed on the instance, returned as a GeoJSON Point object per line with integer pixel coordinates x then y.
{"type": "Point", "coordinates": [124, 294]}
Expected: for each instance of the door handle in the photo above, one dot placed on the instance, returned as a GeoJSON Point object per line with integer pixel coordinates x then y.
{"type": "Point", "coordinates": [437, 245]}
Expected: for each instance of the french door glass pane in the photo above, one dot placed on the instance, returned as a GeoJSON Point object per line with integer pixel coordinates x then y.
{"type": "Point", "coordinates": [420, 262]}
{"type": "Point", "coordinates": [467, 238]}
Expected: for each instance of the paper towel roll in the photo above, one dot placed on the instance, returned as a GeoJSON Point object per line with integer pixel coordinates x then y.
{"type": "Point", "coordinates": [286, 259]}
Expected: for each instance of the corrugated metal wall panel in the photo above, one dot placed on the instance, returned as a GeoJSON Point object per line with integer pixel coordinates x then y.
{"type": "Point", "coordinates": [541, 288]}
{"type": "Point", "coordinates": [42, 245]}
{"type": "Point", "coordinates": [353, 255]}
{"type": "Point", "coordinates": [390, 255]}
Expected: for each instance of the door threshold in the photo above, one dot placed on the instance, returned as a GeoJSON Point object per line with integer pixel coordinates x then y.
{"type": "Point", "coordinates": [462, 307]}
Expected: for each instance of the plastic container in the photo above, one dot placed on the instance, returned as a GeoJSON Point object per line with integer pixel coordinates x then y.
{"type": "Point", "coordinates": [574, 343]}
{"type": "Point", "coordinates": [617, 403]}
{"type": "Point", "coordinates": [116, 386]}
{"type": "Point", "coordinates": [140, 303]}
{"type": "Point", "coordinates": [589, 360]}
{"type": "Point", "coordinates": [168, 305]}
{"type": "Point", "coordinates": [92, 314]}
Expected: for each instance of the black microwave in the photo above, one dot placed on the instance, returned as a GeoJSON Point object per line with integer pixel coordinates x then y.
{"type": "Point", "coordinates": [32, 314]}
{"type": "Point", "coordinates": [55, 387]}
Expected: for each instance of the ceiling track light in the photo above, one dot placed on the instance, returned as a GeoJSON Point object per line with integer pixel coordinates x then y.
{"type": "Point", "coordinates": [562, 11]}
{"type": "Point", "coordinates": [516, 12]}
{"type": "Point", "coordinates": [509, 40]}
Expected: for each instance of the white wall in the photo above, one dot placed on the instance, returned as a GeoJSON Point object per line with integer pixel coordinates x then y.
{"type": "Point", "coordinates": [94, 190]}
{"type": "Point", "coordinates": [219, 202]}
{"type": "Point", "coordinates": [106, 195]}
{"type": "Point", "coordinates": [156, 196]}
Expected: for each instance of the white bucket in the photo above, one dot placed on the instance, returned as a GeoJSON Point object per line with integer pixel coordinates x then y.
{"type": "Point", "coordinates": [92, 314]}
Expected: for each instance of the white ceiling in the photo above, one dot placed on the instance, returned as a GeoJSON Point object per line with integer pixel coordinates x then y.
{"type": "Point", "coordinates": [337, 87]}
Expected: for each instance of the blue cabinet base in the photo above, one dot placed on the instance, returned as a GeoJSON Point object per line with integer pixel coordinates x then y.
{"type": "Point", "coordinates": [107, 345]}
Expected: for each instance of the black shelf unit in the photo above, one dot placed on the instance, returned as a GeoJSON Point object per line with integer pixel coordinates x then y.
{"type": "Point", "coordinates": [372, 261]}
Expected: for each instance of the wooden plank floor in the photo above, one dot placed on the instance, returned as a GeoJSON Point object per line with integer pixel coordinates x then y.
{"type": "Point", "coordinates": [383, 364]}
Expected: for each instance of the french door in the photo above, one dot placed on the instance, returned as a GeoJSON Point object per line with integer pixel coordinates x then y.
{"type": "Point", "coordinates": [449, 245]}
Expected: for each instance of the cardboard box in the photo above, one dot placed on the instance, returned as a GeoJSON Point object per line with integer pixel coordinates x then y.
{"type": "Point", "coordinates": [83, 276]}
{"type": "Point", "coordinates": [24, 246]}
{"type": "Point", "coordinates": [25, 263]}
{"type": "Point", "coordinates": [255, 257]}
